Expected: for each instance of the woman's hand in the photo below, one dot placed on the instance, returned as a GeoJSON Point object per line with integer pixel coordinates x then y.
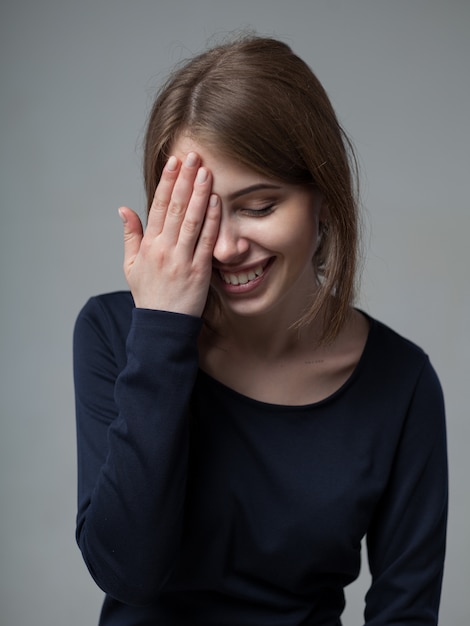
{"type": "Point", "coordinates": [169, 267]}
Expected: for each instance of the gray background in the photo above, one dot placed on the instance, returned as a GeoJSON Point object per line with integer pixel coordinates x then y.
{"type": "Point", "coordinates": [76, 83]}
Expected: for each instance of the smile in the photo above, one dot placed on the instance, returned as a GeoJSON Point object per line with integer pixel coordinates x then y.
{"type": "Point", "coordinates": [242, 278]}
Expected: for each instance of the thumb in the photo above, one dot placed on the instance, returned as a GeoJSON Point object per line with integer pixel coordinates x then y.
{"type": "Point", "coordinates": [133, 233]}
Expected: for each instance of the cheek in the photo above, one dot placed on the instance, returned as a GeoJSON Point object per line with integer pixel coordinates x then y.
{"type": "Point", "coordinates": [302, 234]}
{"type": "Point", "coordinates": [285, 231]}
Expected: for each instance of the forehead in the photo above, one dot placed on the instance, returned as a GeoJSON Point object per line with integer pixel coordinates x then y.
{"type": "Point", "coordinates": [228, 175]}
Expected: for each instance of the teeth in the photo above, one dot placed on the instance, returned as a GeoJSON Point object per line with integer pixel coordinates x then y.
{"type": "Point", "coordinates": [243, 277]}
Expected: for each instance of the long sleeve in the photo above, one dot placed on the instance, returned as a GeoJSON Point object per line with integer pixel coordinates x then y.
{"type": "Point", "coordinates": [132, 425]}
{"type": "Point", "coordinates": [406, 540]}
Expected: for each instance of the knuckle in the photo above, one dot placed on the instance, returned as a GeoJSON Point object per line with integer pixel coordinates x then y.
{"type": "Point", "coordinates": [145, 247]}
{"type": "Point", "coordinates": [206, 243]}
{"type": "Point", "coordinates": [149, 248]}
{"type": "Point", "coordinates": [190, 226]}
{"type": "Point", "coordinates": [177, 209]}
{"type": "Point", "coordinates": [159, 205]}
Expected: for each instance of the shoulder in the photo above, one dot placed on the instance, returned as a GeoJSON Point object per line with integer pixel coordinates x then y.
{"type": "Point", "coordinates": [110, 319]}
{"type": "Point", "coordinates": [103, 323]}
{"type": "Point", "coordinates": [392, 348]}
{"type": "Point", "coordinates": [394, 361]}
{"type": "Point", "coordinates": [108, 305]}
{"type": "Point", "coordinates": [399, 393]}
{"type": "Point", "coordinates": [107, 310]}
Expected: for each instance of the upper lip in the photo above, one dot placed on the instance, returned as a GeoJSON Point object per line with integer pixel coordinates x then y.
{"type": "Point", "coordinates": [238, 270]}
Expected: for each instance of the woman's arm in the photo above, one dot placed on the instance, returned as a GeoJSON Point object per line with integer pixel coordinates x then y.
{"type": "Point", "coordinates": [406, 541]}
{"type": "Point", "coordinates": [132, 419]}
{"type": "Point", "coordinates": [132, 429]}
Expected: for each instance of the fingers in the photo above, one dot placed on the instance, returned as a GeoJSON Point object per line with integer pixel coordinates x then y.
{"type": "Point", "coordinates": [162, 197]}
{"type": "Point", "coordinates": [169, 267]}
{"type": "Point", "coordinates": [186, 230]}
{"type": "Point", "coordinates": [180, 203]}
{"type": "Point", "coordinates": [173, 195]}
{"type": "Point", "coordinates": [209, 231]}
{"type": "Point", "coordinates": [133, 234]}
{"type": "Point", "coordinates": [183, 191]}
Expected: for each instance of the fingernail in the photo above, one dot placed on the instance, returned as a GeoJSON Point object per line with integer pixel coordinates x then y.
{"type": "Point", "coordinates": [172, 164]}
{"type": "Point", "coordinates": [191, 159]}
{"type": "Point", "coordinates": [122, 216]}
{"type": "Point", "coordinates": [201, 175]}
{"type": "Point", "coordinates": [213, 200]}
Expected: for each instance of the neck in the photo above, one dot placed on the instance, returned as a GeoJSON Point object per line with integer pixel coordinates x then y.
{"type": "Point", "coordinates": [266, 336]}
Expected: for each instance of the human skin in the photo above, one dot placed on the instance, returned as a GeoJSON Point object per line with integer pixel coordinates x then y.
{"type": "Point", "coordinates": [169, 266]}
{"type": "Point", "coordinates": [213, 220]}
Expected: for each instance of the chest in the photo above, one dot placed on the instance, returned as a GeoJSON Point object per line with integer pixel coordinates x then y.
{"type": "Point", "coordinates": [271, 486]}
{"type": "Point", "coordinates": [302, 380]}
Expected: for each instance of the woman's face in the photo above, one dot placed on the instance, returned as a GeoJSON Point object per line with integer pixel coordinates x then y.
{"type": "Point", "coordinates": [262, 260]}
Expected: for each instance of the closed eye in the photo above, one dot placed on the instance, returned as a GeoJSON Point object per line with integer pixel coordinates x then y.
{"type": "Point", "coordinates": [261, 212]}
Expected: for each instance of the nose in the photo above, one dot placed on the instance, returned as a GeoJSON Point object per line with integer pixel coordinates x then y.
{"type": "Point", "coordinates": [230, 245]}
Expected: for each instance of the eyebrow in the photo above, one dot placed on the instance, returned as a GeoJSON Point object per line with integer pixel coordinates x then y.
{"type": "Point", "coordinates": [250, 189]}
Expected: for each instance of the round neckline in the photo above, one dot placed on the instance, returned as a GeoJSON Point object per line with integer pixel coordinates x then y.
{"type": "Point", "coordinates": [275, 406]}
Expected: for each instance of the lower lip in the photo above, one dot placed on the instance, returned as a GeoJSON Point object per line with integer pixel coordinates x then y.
{"type": "Point", "coordinates": [247, 287]}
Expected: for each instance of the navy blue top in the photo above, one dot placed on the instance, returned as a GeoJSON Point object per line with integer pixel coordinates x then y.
{"type": "Point", "coordinates": [198, 505]}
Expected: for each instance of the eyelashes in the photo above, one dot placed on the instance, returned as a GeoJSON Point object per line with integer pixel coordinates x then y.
{"type": "Point", "coordinates": [262, 211]}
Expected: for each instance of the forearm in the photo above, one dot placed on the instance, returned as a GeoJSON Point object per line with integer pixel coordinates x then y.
{"type": "Point", "coordinates": [129, 522]}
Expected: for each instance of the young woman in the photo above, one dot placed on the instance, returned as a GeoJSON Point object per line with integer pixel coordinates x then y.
{"type": "Point", "coordinates": [241, 427]}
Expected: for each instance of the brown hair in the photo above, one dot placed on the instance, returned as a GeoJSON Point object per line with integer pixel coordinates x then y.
{"type": "Point", "coordinates": [255, 101]}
